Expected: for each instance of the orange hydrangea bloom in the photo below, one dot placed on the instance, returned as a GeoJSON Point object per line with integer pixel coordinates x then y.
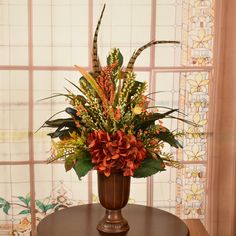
{"type": "Point", "coordinates": [115, 151]}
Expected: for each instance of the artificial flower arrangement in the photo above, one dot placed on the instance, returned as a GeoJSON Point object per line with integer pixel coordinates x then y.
{"type": "Point", "coordinates": [110, 125]}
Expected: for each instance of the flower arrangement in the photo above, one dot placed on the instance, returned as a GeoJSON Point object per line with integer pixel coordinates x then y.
{"type": "Point", "coordinates": [111, 126]}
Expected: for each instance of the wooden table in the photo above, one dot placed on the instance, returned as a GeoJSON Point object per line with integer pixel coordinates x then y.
{"type": "Point", "coordinates": [196, 227]}
{"type": "Point", "coordinates": [82, 221]}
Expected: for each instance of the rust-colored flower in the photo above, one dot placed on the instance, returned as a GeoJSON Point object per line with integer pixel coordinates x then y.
{"type": "Point", "coordinates": [118, 114]}
{"type": "Point", "coordinates": [115, 151]}
{"type": "Point", "coordinates": [105, 82]}
{"type": "Point", "coordinates": [142, 105]}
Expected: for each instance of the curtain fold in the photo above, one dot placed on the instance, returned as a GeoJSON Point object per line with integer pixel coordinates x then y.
{"type": "Point", "coordinates": [222, 161]}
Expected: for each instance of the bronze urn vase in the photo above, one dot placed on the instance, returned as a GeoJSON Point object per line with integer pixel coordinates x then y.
{"type": "Point", "coordinates": [113, 193]}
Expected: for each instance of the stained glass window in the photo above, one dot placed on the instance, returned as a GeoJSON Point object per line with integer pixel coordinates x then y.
{"type": "Point", "coordinates": [40, 42]}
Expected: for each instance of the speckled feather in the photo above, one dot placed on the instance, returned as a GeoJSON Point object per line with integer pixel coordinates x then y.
{"type": "Point", "coordinates": [138, 52]}
{"type": "Point", "coordinates": [95, 59]}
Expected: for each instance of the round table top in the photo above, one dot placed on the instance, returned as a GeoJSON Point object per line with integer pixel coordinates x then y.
{"type": "Point", "coordinates": [82, 220]}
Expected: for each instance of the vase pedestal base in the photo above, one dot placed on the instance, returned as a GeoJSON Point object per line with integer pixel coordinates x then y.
{"type": "Point", "coordinates": [113, 222]}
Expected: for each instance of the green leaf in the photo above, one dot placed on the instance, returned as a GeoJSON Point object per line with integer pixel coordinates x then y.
{"type": "Point", "coordinates": [81, 99]}
{"type": "Point", "coordinates": [40, 205]}
{"type": "Point", "coordinates": [86, 86]}
{"type": "Point", "coordinates": [70, 162]}
{"type": "Point", "coordinates": [83, 164]}
{"type": "Point", "coordinates": [61, 133]}
{"type": "Point", "coordinates": [149, 167]}
{"type": "Point", "coordinates": [151, 119]}
{"type": "Point", "coordinates": [24, 212]}
{"type": "Point", "coordinates": [6, 207]}
{"type": "Point", "coordinates": [134, 88]}
{"type": "Point", "coordinates": [2, 201]}
{"type": "Point", "coordinates": [114, 56]}
{"type": "Point", "coordinates": [168, 137]}
{"type": "Point", "coordinates": [67, 122]}
{"type": "Point", "coordinates": [120, 58]}
{"type": "Point", "coordinates": [28, 198]}
{"type": "Point", "coordinates": [50, 206]}
{"type": "Point", "coordinates": [1, 205]}
{"type": "Point", "coordinates": [23, 200]}
{"type": "Point", "coordinates": [93, 83]}
{"type": "Point", "coordinates": [75, 86]}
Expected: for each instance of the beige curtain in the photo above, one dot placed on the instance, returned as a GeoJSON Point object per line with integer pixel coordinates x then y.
{"type": "Point", "coordinates": [222, 189]}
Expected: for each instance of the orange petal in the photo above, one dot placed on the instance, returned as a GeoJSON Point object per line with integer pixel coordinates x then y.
{"type": "Point", "coordinates": [116, 156]}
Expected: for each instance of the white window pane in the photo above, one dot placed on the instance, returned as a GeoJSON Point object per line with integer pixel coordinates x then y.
{"type": "Point", "coordinates": [141, 15]}
{"type": "Point", "coordinates": [61, 15]}
{"type": "Point", "coordinates": [166, 1]}
{"type": "Point", "coordinates": [165, 32]}
{"type": "Point", "coordinates": [42, 35]}
{"type": "Point", "coordinates": [42, 55]}
{"type": "Point", "coordinates": [4, 14]}
{"type": "Point", "coordinates": [5, 147]}
{"type": "Point", "coordinates": [40, 2]}
{"type": "Point", "coordinates": [61, 56]}
{"type": "Point", "coordinates": [120, 36]}
{"type": "Point", "coordinates": [4, 32]}
{"type": "Point", "coordinates": [165, 56]}
{"type": "Point", "coordinates": [79, 36]}
{"type": "Point", "coordinates": [18, 19]}
{"type": "Point", "coordinates": [20, 173]}
{"type": "Point", "coordinates": [142, 2]}
{"type": "Point", "coordinates": [42, 15]}
{"type": "Point", "coordinates": [140, 35]}
{"type": "Point", "coordinates": [79, 14]}
{"type": "Point", "coordinates": [138, 191]}
{"type": "Point", "coordinates": [19, 189]}
{"type": "Point", "coordinates": [4, 81]}
{"type": "Point", "coordinates": [18, 35]}
{"type": "Point", "coordinates": [164, 82]}
{"type": "Point", "coordinates": [19, 55]}
{"type": "Point", "coordinates": [61, 36]}
{"type": "Point", "coordinates": [79, 56]}
{"type": "Point", "coordinates": [116, 18]}
{"type": "Point", "coordinates": [165, 15]}
{"type": "Point", "coordinates": [42, 81]}
{"type": "Point", "coordinates": [5, 119]}
{"type": "Point", "coordinates": [19, 80]}
{"type": "Point", "coordinates": [4, 55]}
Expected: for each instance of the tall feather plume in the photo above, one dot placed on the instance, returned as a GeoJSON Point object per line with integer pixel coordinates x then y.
{"type": "Point", "coordinates": [138, 52]}
{"type": "Point", "coordinates": [95, 59]}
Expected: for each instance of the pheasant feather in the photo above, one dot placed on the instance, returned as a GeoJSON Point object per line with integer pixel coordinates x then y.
{"type": "Point", "coordinates": [95, 59]}
{"type": "Point", "coordinates": [138, 52]}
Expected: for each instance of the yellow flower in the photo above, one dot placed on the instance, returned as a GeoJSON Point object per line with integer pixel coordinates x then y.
{"type": "Point", "coordinates": [137, 110]}
{"type": "Point", "coordinates": [23, 226]}
{"type": "Point", "coordinates": [201, 40]}
{"type": "Point", "coordinates": [198, 83]}
{"type": "Point", "coordinates": [194, 174]}
{"type": "Point", "coordinates": [195, 193]}
{"type": "Point", "coordinates": [202, 3]}
{"type": "Point", "coordinates": [197, 131]}
{"type": "Point", "coordinates": [199, 119]}
{"type": "Point", "coordinates": [195, 153]}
